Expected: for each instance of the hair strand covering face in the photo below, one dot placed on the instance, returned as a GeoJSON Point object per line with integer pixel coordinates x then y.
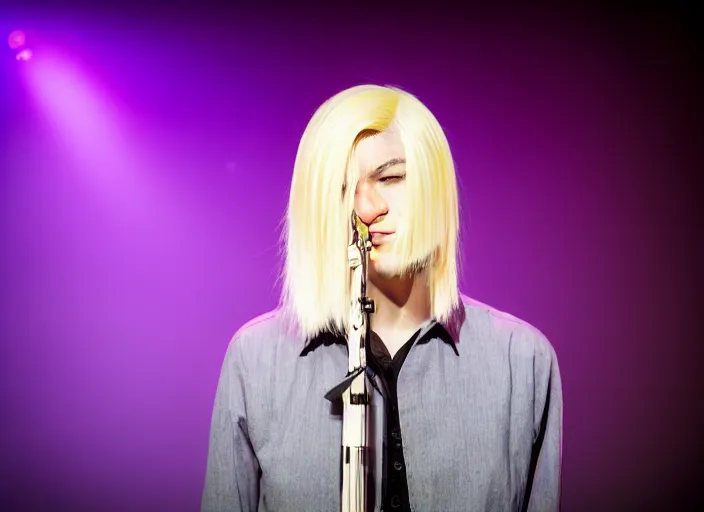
{"type": "Point", "coordinates": [316, 274]}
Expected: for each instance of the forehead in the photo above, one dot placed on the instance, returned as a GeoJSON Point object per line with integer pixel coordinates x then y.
{"type": "Point", "coordinates": [373, 151]}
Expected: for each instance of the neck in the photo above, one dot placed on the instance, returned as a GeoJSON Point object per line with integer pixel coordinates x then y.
{"type": "Point", "coordinates": [402, 306]}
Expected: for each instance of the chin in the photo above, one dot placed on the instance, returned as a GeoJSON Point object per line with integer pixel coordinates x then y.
{"type": "Point", "coordinates": [388, 265]}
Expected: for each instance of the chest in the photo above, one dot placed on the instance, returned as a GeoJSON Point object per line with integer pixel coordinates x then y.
{"type": "Point", "coordinates": [464, 437]}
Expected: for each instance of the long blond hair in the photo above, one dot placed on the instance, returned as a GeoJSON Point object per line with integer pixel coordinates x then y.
{"type": "Point", "coordinates": [316, 275]}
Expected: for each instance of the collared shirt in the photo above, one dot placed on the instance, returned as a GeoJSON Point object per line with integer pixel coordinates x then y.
{"type": "Point", "coordinates": [479, 411]}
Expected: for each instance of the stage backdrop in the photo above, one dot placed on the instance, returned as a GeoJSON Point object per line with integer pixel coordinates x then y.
{"type": "Point", "coordinates": [146, 155]}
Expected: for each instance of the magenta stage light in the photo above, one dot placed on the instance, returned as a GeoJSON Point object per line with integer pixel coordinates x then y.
{"type": "Point", "coordinates": [25, 54]}
{"type": "Point", "coordinates": [16, 39]}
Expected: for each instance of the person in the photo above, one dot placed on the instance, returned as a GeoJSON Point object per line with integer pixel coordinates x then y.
{"type": "Point", "coordinates": [472, 398]}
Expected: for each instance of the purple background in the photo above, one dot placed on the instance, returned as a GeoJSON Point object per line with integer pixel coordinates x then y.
{"type": "Point", "coordinates": [145, 162]}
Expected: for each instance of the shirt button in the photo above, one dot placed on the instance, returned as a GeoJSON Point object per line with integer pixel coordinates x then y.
{"type": "Point", "coordinates": [395, 501]}
{"type": "Point", "coordinates": [398, 466]}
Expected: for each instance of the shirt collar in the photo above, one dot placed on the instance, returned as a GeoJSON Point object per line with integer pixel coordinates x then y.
{"type": "Point", "coordinates": [429, 331]}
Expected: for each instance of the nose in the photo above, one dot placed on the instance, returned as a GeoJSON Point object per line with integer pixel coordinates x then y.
{"type": "Point", "coordinates": [369, 204]}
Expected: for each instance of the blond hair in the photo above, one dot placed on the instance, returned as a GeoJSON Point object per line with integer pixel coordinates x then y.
{"type": "Point", "coordinates": [316, 275]}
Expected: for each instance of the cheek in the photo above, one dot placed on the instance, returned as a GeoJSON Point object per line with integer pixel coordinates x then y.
{"type": "Point", "coordinates": [395, 200]}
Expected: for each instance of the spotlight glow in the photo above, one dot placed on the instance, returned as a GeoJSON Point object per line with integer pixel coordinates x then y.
{"type": "Point", "coordinates": [25, 54]}
{"type": "Point", "coordinates": [16, 39]}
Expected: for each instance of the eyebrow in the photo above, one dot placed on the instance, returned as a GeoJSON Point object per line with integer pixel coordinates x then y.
{"type": "Point", "coordinates": [386, 165]}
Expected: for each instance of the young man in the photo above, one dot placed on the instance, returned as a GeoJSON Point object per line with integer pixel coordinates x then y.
{"type": "Point", "coordinates": [472, 398]}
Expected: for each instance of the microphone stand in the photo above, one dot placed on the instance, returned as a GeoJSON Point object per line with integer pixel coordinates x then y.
{"type": "Point", "coordinates": [353, 389]}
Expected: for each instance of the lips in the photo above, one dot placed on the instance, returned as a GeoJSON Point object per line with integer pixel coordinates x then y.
{"type": "Point", "coordinates": [378, 237]}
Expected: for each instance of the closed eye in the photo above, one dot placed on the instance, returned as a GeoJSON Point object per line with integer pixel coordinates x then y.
{"type": "Point", "coordinates": [386, 179]}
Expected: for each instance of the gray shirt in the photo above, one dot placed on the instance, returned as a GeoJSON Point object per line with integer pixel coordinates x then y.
{"type": "Point", "coordinates": [480, 413]}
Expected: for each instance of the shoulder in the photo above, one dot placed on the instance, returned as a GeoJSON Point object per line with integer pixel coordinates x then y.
{"type": "Point", "coordinates": [484, 323]}
{"type": "Point", "coordinates": [262, 337]}
{"type": "Point", "coordinates": [266, 325]}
